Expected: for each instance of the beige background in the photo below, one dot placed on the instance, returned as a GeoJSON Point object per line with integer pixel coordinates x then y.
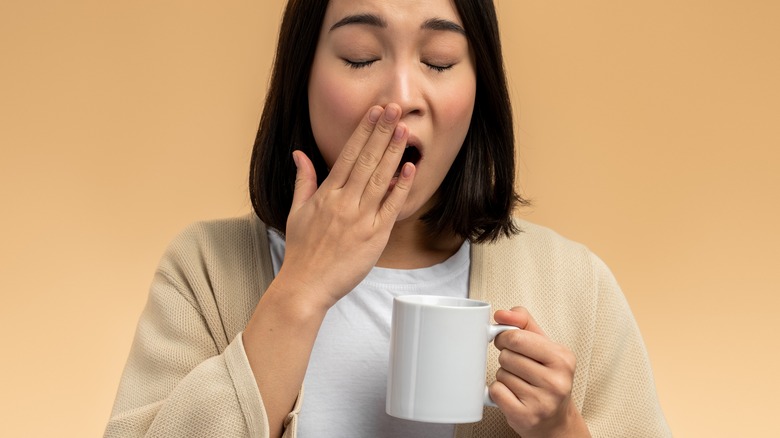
{"type": "Point", "coordinates": [647, 130]}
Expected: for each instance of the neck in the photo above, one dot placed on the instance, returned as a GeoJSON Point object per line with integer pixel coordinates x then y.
{"type": "Point", "coordinates": [412, 246]}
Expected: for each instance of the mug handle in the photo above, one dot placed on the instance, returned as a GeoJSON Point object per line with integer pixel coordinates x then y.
{"type": "Point", "coordinates": [493, 331]}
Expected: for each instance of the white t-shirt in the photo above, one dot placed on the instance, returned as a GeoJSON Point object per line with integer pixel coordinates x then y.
{"type": "Point", "coordinates": [346, 381]}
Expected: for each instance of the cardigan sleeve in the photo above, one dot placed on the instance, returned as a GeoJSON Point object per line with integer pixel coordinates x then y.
{"type": "Point", "coordinates": [184, 376]}
{"type": "Point", "coordinates": [620, 399]}
{"type": "Point", "coordinates": [176, 383]}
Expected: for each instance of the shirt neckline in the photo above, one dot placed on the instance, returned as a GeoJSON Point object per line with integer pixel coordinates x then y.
{"type": "Point", "coordinates": [435, 274]}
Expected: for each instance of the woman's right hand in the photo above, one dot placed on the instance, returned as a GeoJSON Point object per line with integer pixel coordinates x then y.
{"type": "Point", "coordinates": [335, 235]}
{"type": "Point", "coordinates": [337, 232]}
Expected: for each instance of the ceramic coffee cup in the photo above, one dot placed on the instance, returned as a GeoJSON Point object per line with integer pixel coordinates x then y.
{"type": "Point", "coordinates": [438, 353]}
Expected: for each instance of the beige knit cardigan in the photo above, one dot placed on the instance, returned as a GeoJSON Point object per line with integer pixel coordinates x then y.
{"type": "Point", "coordinates": [188, 375]}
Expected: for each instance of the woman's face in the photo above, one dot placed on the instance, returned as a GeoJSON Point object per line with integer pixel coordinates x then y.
{"type": "Point", "coordinates": [409, 52]}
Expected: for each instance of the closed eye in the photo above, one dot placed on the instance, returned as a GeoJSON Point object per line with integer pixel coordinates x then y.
{"type": "Point", "coordinates": [358, 64]}
{"type": "Point", "coordinates": [439, 68]}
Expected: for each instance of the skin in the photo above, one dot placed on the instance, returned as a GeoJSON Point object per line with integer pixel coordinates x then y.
{"type": "Point", "coordinates": [428, 73]}
{"type": "Point", "coordinates": [405, 75]}
{"type": "Point", "coordinates": [534, 382]}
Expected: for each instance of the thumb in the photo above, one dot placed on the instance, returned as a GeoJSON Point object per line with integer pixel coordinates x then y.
{"type": "Point", "coordinates": [305, 179]}
{"type": "Point", "coordinates": [518, 317]}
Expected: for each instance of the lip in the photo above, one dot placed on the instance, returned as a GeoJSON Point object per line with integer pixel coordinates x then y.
{"type": "Point", "coordinates": [412, 154]}
{"type": "Point", "coordinates": [415, 141]}
{"type": "Point", "coordinates": [410, 141]}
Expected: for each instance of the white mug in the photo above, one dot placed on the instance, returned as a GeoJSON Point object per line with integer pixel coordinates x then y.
{"type": "Point", "coordinates": [438, 354]}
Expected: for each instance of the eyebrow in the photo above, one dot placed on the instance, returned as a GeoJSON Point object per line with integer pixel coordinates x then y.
{"type": "Point", "coordinates": [442, 24]}
{"type": "Point", "coordinates": [377, 21]}
{"type": "Point", "coordinates": [369, 19]}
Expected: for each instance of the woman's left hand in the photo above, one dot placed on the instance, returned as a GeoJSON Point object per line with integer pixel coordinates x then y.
{"type": "Point", "coordinates": [534, 382]}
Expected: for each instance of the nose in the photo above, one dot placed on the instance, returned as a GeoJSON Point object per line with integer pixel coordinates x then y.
{"type": "Point", "coordinates": [404, 86]}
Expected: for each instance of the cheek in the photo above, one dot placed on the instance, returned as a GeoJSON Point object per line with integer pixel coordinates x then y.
{"type": "Point", "coordinates": [335, 112]}
{"type": "Point", "coordinates": [457, 111]}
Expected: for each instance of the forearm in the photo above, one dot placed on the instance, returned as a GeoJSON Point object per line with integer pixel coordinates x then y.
{"type": "Point", "coordinates": [278, 341]}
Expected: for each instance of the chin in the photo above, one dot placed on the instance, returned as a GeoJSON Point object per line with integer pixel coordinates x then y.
{"type": "Point", "coordinates": [413, 210]}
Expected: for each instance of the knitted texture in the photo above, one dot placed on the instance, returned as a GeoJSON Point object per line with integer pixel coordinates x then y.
{"type": "Point", "coordinates": [188, 376]}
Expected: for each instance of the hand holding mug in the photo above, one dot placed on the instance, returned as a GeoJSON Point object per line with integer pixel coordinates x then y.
{"type": "Point", "coordinates": [534, 382]}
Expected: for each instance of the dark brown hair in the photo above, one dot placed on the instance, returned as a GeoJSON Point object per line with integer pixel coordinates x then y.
{"type": "Point", "coordinates": [476, 198]}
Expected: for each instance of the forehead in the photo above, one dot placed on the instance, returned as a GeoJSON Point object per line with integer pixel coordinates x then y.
{"type": "Point", "coordinates": [394, 13]}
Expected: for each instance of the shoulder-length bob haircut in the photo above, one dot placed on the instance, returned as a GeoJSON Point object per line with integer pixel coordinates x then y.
{"type": "Point", "coordinates": [476, 198]}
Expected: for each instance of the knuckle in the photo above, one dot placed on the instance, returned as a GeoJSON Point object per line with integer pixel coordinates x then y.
{"type": "Point", "coordinates": [366, 160]}
{"type": "Point", "coordinates": [493, 391]}
{"type": "Point", "coordinates": [498, 342]}
{"type": "Point", "coordinates": [521, 310]}
{"type": "Point", "coordinates": [396, 147]}
{"type": "Point", "coordinates": [384, 128]}
{"type": "Point", "coordinates": [366, 128]}
{"type": "Point", "coordinates": [570, 362]}
{"type": "Point", "coordinates": [349, 154]}
{"type": "Point", "coordinates": [504, 340]}
{"type": "Point", "coordinates": [401, 186]}
{"type": "Point", "coordinates": [500, 374]}
{"type": "Point", "coordinates": [567, 361]}
{"type": "Point", "coordinates": [376, 183]}
{"type": "Point", "coordinates": [559, 385]}
{"type": "Point", "coordinates": [514, 339]}
{"type": "Point", "coordinates": [503, 359]}
{"type": "Point", "coordinates": [320, 201]}
{"type": "Point", "coordinates": [562, 387]}
{"type": "Point", "coordinates": [387, 212]}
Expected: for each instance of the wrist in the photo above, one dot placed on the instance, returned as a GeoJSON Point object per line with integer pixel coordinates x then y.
{"type": "Point", "coordinates": [570, 425]}
{"type": "Point", "coordinates": [299, 295]}
{"type": "Point", "coordinates": [294, 300]}
{"type": "Point", "coordinates": [284, 309]}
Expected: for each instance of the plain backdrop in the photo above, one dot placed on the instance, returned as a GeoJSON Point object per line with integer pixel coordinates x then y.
{"type": "Point", "coordinates": [646, 130]}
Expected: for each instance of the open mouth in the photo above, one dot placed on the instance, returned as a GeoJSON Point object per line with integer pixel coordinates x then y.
{"type": "Point", "coordinates": [411, 155]}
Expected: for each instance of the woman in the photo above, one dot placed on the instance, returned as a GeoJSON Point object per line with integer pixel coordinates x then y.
{"type": "Point", "coordinates": [383, 165]}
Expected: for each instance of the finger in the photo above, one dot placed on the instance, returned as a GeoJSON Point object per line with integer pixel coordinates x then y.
{"type": "Point", "coordinates": [518, 317]}
{"type": "Point", "coordinates": [521, 389]}
{"type": "Point", "coordinates": [538, 348]}
{"type": "Point", "coordinates": [305, 180]}
{"type": "Point", "coordinates": [378, 184]}
{"type": "Point", "coordinates": [522, 367]}
{"type": "Point", "coordinates": [504, 398]}
{"type": "Point", "coordinates": [339, 173]}
{"type": "Point", "coordinates": [524, 406]}
{"type": "Point", "coordinates": [529, 344]}
{"type": "Point", "coordinates": [374, 150]}
{"type": "Point", "coordinates": [398, 194]}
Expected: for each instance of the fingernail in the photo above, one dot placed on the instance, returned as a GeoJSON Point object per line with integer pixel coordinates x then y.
{"type": "Point", "coordinates": [295, 159]}
{"type": "Point", "coordinates": [399, 132]}
{"type": "Point", "coordinates": [374, 114]}
{"type": "Point", "coordinates": [406, 171]}
{"type": "Point", "coordinates": [391, 112]}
